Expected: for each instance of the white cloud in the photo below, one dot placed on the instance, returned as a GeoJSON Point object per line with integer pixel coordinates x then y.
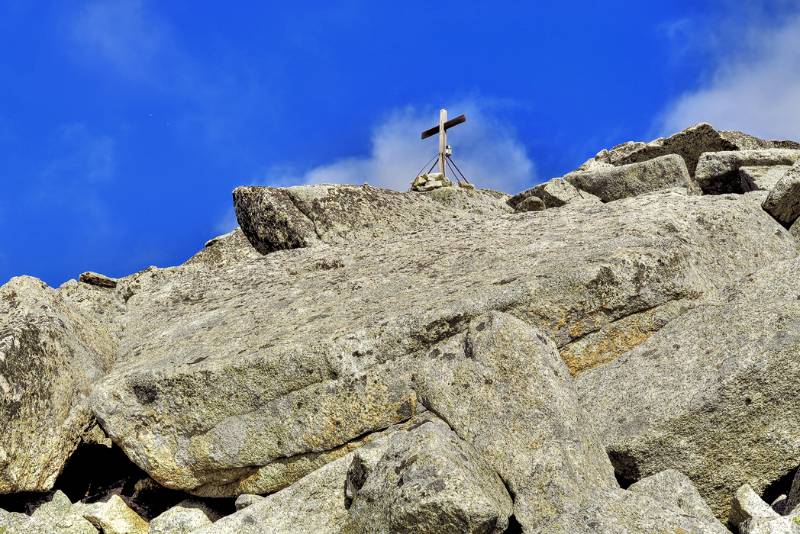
{"type": "Point", "coordinates": [485, 148]}
{"type": "Point", "coordinates": [755, 85]}
{"type": "Point", "coordinates": [123, 34]}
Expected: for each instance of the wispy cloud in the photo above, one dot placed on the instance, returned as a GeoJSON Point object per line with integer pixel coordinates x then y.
{"type": "Point", "coordinates": [754, 85]}
{"type": "Point", "coordinates": [79, 173]}
{"type": "Point", "coordinates": [124, 34]}
{"type": "Point", "coordinates": [485, 148]}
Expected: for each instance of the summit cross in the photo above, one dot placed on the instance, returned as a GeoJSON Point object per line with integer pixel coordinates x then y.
{"type": "Point", "coordinates": [441, 129]}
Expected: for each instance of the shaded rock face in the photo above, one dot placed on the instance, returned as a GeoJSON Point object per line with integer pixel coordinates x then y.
{"type": "Point", "coordinates": [634, 179]}
{"type": "Point", "coordinates": [333, 327]}
{"type": "Point", "coordinates": [50, 353]}
{"type": "Point", "coordinates": [719, 172]}
{"type": "Point", "coordinates": [278, 219]}
{"type": "Point", "coordinates": [430, 481]}
{"type": "Point", "coordinates": [783, 201]}
{"type": "Point", "coordinates": [315, 503]}
{"type": "Point", "coordinates": [710, 393]}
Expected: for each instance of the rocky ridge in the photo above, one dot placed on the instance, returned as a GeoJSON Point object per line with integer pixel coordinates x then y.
{"type": "Point", "coordinates": [614, 350]}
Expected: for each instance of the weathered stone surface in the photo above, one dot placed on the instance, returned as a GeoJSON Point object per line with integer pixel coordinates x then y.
{"type": "Point", "coordinates": [50, 353]}
{"type": "Point", "coordinates": [295, 217]}
{"type": "Point", "coordinates": [744, 141]}
{"type": "Point", "coordinates": [334, 328]}
{"type": "Point", "coordinates": [225, 250]}
{"type": "Point", "coordinates": [761, 178]}
{"type": "Point", "coordinates": [750, 515]}
{"type": "Point", "coordinates": [246, 499]}
{"type": "Point", "coordinates": [625, 512]}
{"type": "Point", "coordinates": [689, 144]}
{"type": "Point", "coordinates": [531, 203]}
{"type": "Point", "coordinates": [554, 193]}
{"type": "Point", "coordinates": [313, 504]}
{"type": "Point", "coordinates": [480, 201]}
{"type": "Point", "coordinates": [633, 179]}
{"type": "Point", "coordinates": [430, 182]}
{"type": "Point", "coordinates": [112, 516]}
{"type": "Point", "coordinates": [179, 520]}
{"type": "Point", "coordinates": [718, 172]}
{"type": "Point", "coordinates": [783, 201]}
{"type": "Point", "coordinates": [542, 445]}
{"type": "Point", "coordinates": [99, 280]}
{"type": "Point", "coordinates": [674, 490]}
{"type": "Point", "coordinates": [59, 516]}
{"type": "Point", "coordinates": [430, 481]}
{"type": "Point", "coordinates": [712, 393]}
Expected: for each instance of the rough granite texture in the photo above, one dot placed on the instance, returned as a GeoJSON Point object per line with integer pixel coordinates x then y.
{"type": "Point", "coordinates": [710, 394]}
{"type": "Point", "coordinates": [634, 179]}
{"type": "Point", "coordinates": [761, 178]}
{"type": "Point", "coordinates": [553, 193]}
{"type": "Point", "coordinates": [718, 172]}
{"type": "Point", "coordinates": [751, 515]}
{"type": "Point", "coordinates": [330, 325]}
{"type": "Point", "coordinates": [430, 481]}
{"type": "Point", "coordinates": [689, 144]}
{"type": "Point", "coordinates": [50, 353]}
{"type": "Point", "coordinates": [542, 445]}
{"type": "Point", "coordinates": [783, 201]}
{"type": "Point", "coordinates": [295, 217]}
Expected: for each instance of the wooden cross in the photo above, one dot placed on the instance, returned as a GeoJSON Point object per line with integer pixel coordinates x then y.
{"type": "Point", "coordinates": [444, 125]}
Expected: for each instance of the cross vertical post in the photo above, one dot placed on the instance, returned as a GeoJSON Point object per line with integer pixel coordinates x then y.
{"type": "Point", "coordinates": [442, 141]}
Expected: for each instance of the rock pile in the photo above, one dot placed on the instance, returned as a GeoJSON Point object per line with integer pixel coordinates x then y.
{"type": "Point", "coordinates": [616, 350]}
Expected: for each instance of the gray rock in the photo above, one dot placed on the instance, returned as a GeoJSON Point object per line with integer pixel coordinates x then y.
{"type": "Point", "coordinates": [99, 280]}
{"type": "Point", "coordinates": [59, 516]}
{"type": "Point", "coordinates": [690, 144]}
{"type": "Point", "coordinates": [531, 203]}
{"type": "Point", "coordinates": [430, 481]}
{"type": "Point", "coordinates": [744, 141]}
{"type": "Point", "coordinates": [247, 499]}
{"type": "Point", "coordinates": [673, 489]}
{"type": "Point", "coordinates": [542, 445]}
{"type": "Point", "coordinates": [225, 250]}
{"type": "Point", "coordinates": [710, 394]}
{"type": "Point", "coordinates": [761, 178]}
{"type": "Point", "coordinates": [750, 515]}
{"type": "Point", "coordinates": [113, 516]}
{"type": "Point", "coordinates": [554, 193]}
{"type": "Point", "coordinates": [718, 172]}
{"type": "Point", "coordinates": [336, 328]}
{"type": "Point", "coordinates": [625, 512]}
{"type": "Point", "coordinates": [783, 201]}
{"type": "Point", "coordinates": [633, 179]}
{"type": "Point", "coordinates": [50, 353]}
{"type": "Point", "coordinates": [179, 520]}
{"type": "Point", "coordinates": [313, 504]}
{"type": "Point", "coordinates": [479, 201]}
{"type": "Point", "coordinates": [277, 219]}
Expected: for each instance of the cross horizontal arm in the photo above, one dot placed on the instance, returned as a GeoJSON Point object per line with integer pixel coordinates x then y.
{"type": "Point", "coordinates": [449, 124]}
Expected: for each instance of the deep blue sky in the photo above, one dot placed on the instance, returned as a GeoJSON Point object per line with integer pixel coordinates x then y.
{"type": "Point", "coordinates": [124, 125]}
